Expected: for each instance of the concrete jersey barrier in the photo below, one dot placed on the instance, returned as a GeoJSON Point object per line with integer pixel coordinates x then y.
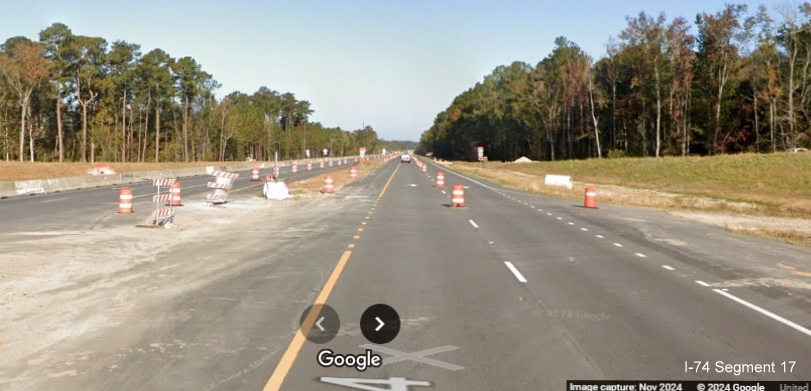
{"type": "Point", "coordinates": [44, 186]}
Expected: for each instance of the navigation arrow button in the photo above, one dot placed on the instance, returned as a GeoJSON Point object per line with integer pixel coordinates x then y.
{"type": "Point", "coordinates": [381, 324]}
{"type": "Point", "coordinates": [324, 328]}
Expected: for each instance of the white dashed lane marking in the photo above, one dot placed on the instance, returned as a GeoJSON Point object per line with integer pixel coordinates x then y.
{"type": "Point", "coordinates": [668, 267]}
{"type": "Point", "coordinates": [515, 271]}
{"type": "Point", "coordinates": [702, 283]}
{"type": "Point", "coordinates": [584, 229]}
{"type": "Point", "coordinates": [641, 255]}
{"type": "Point", "coordinates": [473, 223]}
{"type": "Point", "coordinates": [617, 244]}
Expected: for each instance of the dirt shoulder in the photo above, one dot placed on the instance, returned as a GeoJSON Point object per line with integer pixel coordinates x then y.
{"type": "Point", "coordinates": [746, 218]}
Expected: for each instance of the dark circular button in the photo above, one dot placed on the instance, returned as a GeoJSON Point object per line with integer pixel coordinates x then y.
{"type": "Point", "coordinates": [380, 324]}
{"type": "Point", "coordinates": [323, 327]}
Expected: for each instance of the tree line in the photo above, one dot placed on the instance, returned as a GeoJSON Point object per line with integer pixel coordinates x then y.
{"type": "Point", "coordinates": [731, 81]}
{"type": "Point", "coordinates": [69, 97]}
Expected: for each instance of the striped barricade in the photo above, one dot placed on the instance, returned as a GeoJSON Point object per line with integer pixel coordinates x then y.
{"type": "Point", "coordinates": [161, 216]}
{"type": "Point", "coordinates": [223, 182]}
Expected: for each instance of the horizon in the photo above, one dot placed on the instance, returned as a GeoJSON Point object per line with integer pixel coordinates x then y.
{"type": "Point", "coordinates": [393, 67]}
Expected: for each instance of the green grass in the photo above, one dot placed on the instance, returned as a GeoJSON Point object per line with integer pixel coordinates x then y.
{"type": "Point", "coordinates": [779, 183]}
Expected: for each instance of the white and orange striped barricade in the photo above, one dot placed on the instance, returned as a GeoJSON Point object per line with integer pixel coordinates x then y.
{"type": "Point", "coordinates": [440, 179]}
{"type": "Point", "coordinates": [161, 216]}
{"type": "Point", "coordinates": [309, 166]}
{"type": "Point", "coordinates": [329, 184]}
{"type": "Point", "coordinates": [255, 174]}
{"type": "Point", "coordinates": [321, 165]}
{"type": "Point", "coordinates": [353, 173]}
{"type": "Point", "coordinates": [223, 182]}
{"type": "Point", "coordinates": [294, 169]}
{"type": "Point", "coordinates": [330, 162]}
{"type": "Point", "coordinates": [339, 163]}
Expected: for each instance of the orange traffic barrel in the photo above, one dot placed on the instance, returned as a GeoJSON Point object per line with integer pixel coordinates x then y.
{"type": "Point", "coordinates": [329, 185]}
{"type": "Point", "coordinates": [255, 174]}
{"type": "Point", "coordinates": [424, 168]}
{"type": "Point", "coordinates": [322, 165]}
{"type": "Point", "coordinates": [125, 200]}
{"type": "Point", "coordinates": [175, 195]}
{"type": "Point", "coordinates": [309, 166]}
{"type": "Point", "coordinates": [353, 172]}
{"type": "Point", "coordinates": [591, 197]}
{"type": "Point", "coordinates": [458, 195]}
{"type": "Point", "coordinates": [440, 179]}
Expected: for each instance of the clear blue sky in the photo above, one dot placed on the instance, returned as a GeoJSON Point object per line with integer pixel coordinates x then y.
{"type": "Point", "coordinates": [390, 64]}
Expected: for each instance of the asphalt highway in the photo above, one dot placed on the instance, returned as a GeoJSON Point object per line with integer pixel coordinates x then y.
{"type": "Point", "coordinates": [511, 292]}
{"type": "Point", "coordinates": [78, 209]}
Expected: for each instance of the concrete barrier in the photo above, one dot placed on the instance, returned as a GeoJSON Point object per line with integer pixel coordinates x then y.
{"type": "Point", "coordinates": [45, 186]}
{"type": "Point", "coordinates": [559, 180]}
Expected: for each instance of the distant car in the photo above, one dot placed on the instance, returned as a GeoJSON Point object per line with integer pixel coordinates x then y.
{"type": "Point", "coordinates": [406, 158]}
{"type": "Point", "coordinates": [796, 150]}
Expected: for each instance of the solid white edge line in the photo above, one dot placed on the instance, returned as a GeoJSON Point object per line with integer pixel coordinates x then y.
{"type": "Point", "coordinates": [473, 223]}
{"type": "Point", "coordinates": [766, 312]}
{"type": "Point", "coordinates": [702, 283]}
{"type": "Point", "coordinates": [515, 271]}
{"type": "Point", "coordinates": [668, 268]}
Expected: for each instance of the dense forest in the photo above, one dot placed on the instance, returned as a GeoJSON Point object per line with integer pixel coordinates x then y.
{"type": "Point", "coordinates": [732, 81]}
{"type": "Point", "coordinates": [70, 97]}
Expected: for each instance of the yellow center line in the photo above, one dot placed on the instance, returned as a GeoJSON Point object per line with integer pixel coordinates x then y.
{"type": "Point", "coordinates": [289, 357]}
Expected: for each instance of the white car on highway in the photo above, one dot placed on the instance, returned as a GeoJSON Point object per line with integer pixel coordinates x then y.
{"type": "Point", "coordinates": [406, 158]}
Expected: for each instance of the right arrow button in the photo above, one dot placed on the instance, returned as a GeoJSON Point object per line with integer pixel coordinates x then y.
{"type": "Point", "coordinates": [380, 324]}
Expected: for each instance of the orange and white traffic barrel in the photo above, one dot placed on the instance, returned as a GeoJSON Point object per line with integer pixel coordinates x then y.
{"type": "Point", "coordinates": [330, 163]}
{"type": "Point", "coordinates": [125, 200]}
{"type": "Point", "coordinates": [440, 179]}
{"type": "Point", "coordinates": [591, 197]}
{"type": "Point", "coordinates": [295, 168]}
{"type": "Point", "coordinates": [424, 168]}
{"type": "Point", "coordinates": [321, 165]}
{"type": "Point", "coordinates": [175, 195]}
{"type": "Point", "coordinates": [309, 166]}
{"type": "Point", "coordinates": [353, 172]}
{"type": "Point", "coordinates": [329, 185]}
{"type": "Point", "coordinates": [458, 195]}
{"type": "Point", "coordinates": [255, 174]}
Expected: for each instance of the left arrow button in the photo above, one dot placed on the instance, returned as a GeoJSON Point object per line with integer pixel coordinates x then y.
{"type": "Point", "coordinates": [319, 323]}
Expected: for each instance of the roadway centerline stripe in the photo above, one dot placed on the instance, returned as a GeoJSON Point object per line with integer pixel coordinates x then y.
{"type": "Point", "coordinates": [515, 271]}
{"type": "Point", "coordinates": [473, 223]}
{"type": "Point", "coordinates": [668, 268]}
{"type": "Point", "coordinates": [766, 312]}
{"type": "Point", "coordinates": [289, 357]}
{"type": "Point", "coordinates": [276, 379]}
